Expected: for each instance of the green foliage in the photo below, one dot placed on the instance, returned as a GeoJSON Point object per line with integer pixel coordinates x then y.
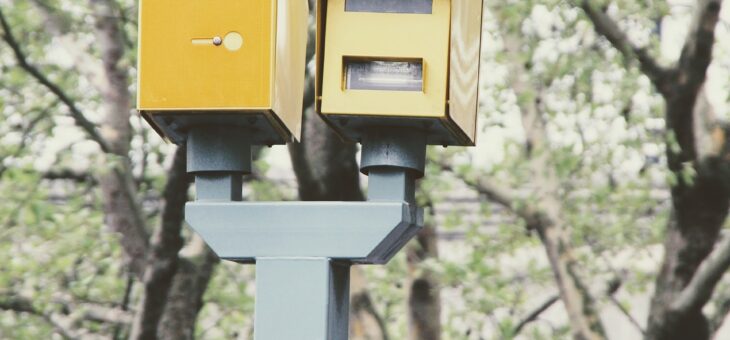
{"type": "Point", "coordinates": [605, 143]}
{"type": "Point", "coordinates": [54, 251]}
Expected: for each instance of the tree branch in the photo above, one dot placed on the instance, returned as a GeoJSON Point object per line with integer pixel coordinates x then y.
{"type": "Point", "coordinates": [532, 316]}
{"type": "Point", "coordinates": [124, 304]}
{"type": "Point", "coordinates": [626, 313]}
{"type": "Point", "coordinates": [121, 208]}
{"type": "Point", "coordinates": [609, 29]}
{"type": "Point", "coordinates": [62, 324]}
{"type": "Point", "coordinates": [162, 263]}
{"type": "Point", "coordinates": [122, 211]}
{"type": "Point", "coordinates": [87, 65]}
{"type": "Point", "coordinates": [697, 51]}
{"type": "Point", "coordinates": [613, 287]}
{"type": "Point", "coordinates": [700, 288]}
{"type": "Point", "coordinates": [27, 132]}
{"type": "Point", "coordinates": [75, 112]}
{"type": "Point", "coordinates": [494, 192]}
{"type": "Point", "coordinates": [185, 299]}
{"type": "Point", "coordinates": [105, 315]}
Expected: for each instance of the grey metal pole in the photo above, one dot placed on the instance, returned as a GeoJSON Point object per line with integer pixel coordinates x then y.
{"type": "Point", "coordinates": [302, 298]}
{"type": "Point", "coordinates": [308, 298]}
{"type": "Point", "coordinates": [304, 250]}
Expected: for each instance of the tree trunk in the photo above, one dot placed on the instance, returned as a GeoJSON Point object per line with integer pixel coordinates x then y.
{"type": "Point", "coordinates": [185, 299]}
{"type": "Point", "coordinates": [698, 159]}
{"type": "Point", "coordinates": [546, 216]}
{"type": "Point", "coordinates": [576, 297]}
{"type": "Point", "coordinates": [424, 300]}
{"type": "Point", "coordinates": [162, 262]}
{"type": "Point", "coordinates": [325, 166]}
{"type": "Point", "coordinates": [699, 209]}
{"type": "Point", "coordinates": [365, 322]}
{"type": "Point", "coordinates": [121, 209]}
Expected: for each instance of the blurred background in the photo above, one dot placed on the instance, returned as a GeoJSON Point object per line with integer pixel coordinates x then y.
{"type": "Point", "coordinates": [594, 206]}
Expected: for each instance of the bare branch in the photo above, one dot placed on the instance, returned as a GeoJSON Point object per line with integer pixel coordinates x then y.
{"type": "Point", "coordinates": [75, 112]}
{"type": "Point", "coordinates": [124, 304]}
{"type": "Point", "coordinates": [501, 195]}
{"type": "Point", "coordinates": [627, 314]}
{"type": "Point", "coordinates": [122, 210]}
{"type": "Point", "coordinates": [613, 287]}
{"type": "Point", "coordinates": [532, 316]}
{"type": "Point", "coordinates": [185, 299]}
{"type": "Point", "coordinates": [700, 289]}
{"type": "Point", "coordinates": [69, 175]}
{"type": "Point", "coordinates": [552, 231]}
{"type": "Point", "coordinates": [86, 64]}
{"type": "Point", "coordinates": [608, 28]}
{"type": "Point", "coordinates": [27, 132]}
{"type": "Point", "coordinates": [494, 192]}
{"type": "Point", "coordinates": [545, 214]}
{"type": "Point", "coordinates": [63, 324]}
{"type": "Point", "coordinates": [162, 263]}
{"type": "Point", "coordinates": [105, 315]}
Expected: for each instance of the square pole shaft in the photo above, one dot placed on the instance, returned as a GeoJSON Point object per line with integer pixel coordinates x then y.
{"type": "Point", "coordinates": [302, 298]}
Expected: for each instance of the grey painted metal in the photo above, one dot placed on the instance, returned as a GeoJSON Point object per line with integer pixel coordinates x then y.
{"type": "Point", "coordinates": [355, 127]}
{"type": "Point", "coordinates": [391, 184]}
{"type": "Point", "coordinates": [177, 125]}
{"type": "Point", "coordinates": [303, 250]}
{"type": "Point", "coordinates": [218, 186]}
{"type": "Point", "coordinates": [362, 232]}
{"type": "Point", "coordinates": [301, 298]}
{"type": "Point", "coordinates": [394, 147]}
{"type": "Point", "coordinates": [218, 155]}
{"type": "Point", "coordinates": [219, 148]}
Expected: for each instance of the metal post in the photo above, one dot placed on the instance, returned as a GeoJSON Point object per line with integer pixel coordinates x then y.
{"type": "Point", "coordinates": [219, 156]}
{"type": "Point", "coordinates": [303, 250]}
{"type": "Point", "coordinates": [302, 298]}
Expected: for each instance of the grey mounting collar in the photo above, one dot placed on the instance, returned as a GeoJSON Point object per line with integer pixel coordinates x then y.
{"type": "Point", "coordinates": [394, 148]}
{"type": "Point", "coordinates": [219, 149]}
{"type": "Point", "coordinates": [219, 156]}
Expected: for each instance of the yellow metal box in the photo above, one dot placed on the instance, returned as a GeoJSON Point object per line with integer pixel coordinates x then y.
{"type": "Point", "coordinates": [410, 63]}
{"type": "Point", "coordinates": [223, 62]}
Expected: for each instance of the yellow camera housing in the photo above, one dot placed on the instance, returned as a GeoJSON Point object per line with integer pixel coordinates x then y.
{"type": "Point", "coordinates": [223, 62]}
{"type": "Point", "coordinates": [410, 63]}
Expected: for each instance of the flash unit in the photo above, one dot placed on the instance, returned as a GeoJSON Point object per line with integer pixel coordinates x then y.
{"type": "Point", "coordinates": [383, 75]}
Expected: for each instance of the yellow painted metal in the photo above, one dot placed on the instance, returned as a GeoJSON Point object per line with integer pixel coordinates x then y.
{"type": "Point", "coordinates": [175, 73]}
{"type": "Point", "coordinates": [291, 54]}
{"type": "Point", "coordinates": [449, 43]}
{"type": "Point", "coordinates": [386, 36]}
{"type": "Point", "coordinates": [224, 57]}
{"type": "Point", "coordinates": [466, 43]}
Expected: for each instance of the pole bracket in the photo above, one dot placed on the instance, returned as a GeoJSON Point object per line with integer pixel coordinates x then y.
{"type": "Point", "coordinates": [358, 232]}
